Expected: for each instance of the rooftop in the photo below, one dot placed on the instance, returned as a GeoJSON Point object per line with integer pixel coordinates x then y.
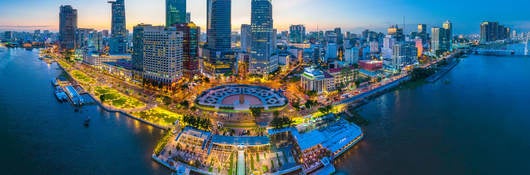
{"type": "Point", "coordinates": [242, 140]}
{"type": "Point", "coordinates": [195, 132]}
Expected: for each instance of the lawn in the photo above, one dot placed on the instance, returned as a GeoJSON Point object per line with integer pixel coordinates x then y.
{"type": "Point", "coordinates": [159, 116]}
{"type": "Point", "coordinates": [82, 77]}
{"type": "Point", "coordinates": [116, 99]}
{"type": "Point", "coordinates": [63, 64]}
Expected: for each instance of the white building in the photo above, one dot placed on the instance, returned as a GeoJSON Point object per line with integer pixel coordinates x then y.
{"type": "Point", "coordinates": [388, 43]}
{"type": "Point", "coordinates": [351, 55]}
{"type": "Point", "coordinates": [162, 49]}
{"type": "Point", "coordinates": [316, 80]}
{"type": "Point", "coordinates": [98, 60]}
{"type": "Point", "coordinates": [404, 54]}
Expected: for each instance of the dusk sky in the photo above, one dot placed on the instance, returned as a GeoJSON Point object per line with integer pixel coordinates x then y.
{"type": "Point", "coordinates": [351, 15]}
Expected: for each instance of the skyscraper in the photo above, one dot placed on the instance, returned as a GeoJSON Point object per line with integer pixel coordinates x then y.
{"type": "Point", "coordinates": [246, 37]}
{"type": "Point", "coordinates": [437, 40]}
{"type": "Point", "coordinates": [297, 33]}
{"type": "Point", "coordinates": [175, 12]}
{"type": "Point", "coordinates": [188, 17]}
{"type": "Point", "coordinates": [67, 27]}
{"type": "Point", "coordinates": [262, 46]}
{"type": "Point", "coordinates": [396, 33]}
{"type": "Point", "coordinates": [138, 47]}
{"type": "Point", "coordinates": [422, 32]}
{"type": "Point", "coordinates": [404, 53]}
{"type": "Point", "coordinates": [162, 55]}
{"type": "Point", "coordinates": [190, 48]}
{"type": "Point", "coordinates": [219, 15]}
{"type": "Point", "coordinates": [118, 40]}
{"type": "Point", "coordinates": [493, 31]}
{"type": "Point", "coordinates": [340, 36]}
{"type": "Point", "coordinates": [448, 39]}
{"type": "Point", "coordinates": [218, 56]}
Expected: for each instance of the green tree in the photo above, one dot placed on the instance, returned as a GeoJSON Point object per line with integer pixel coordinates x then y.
{"type": "Point", "coordinates": [276, 113]}
{"type": "Point", "coordinates": [256, 112]}
{"type": "Point", "coordinates": [185, 104]}
{"type": "Point", "coordinates": [102, 98]}
{"type": "Point", "coordinates": [276, 122]}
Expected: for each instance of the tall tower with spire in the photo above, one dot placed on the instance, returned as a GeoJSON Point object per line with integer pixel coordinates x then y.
{"type": "Point", "coordinates": [118, 36]}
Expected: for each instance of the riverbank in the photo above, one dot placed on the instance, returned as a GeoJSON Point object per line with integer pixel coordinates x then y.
{"type": "Point", "coordinates": [108, 108]}
{"type": "Point", "coordinates": [442, 71]}
{"type": "Point", "coordinates": [434, 128]}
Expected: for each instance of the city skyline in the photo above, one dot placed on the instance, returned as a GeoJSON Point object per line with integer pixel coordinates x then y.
{"type": "Point", "coordinates": [355, 16]}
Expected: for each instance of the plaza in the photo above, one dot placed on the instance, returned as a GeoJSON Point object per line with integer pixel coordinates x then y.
{"type": "Point", "coordinates": [241, 98]}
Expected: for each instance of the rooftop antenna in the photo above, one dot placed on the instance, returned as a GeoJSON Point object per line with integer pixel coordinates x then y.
{"type": "Point", "coordinates": [318, 34]}
{"type": "Point", "coordinates": [403, 25]}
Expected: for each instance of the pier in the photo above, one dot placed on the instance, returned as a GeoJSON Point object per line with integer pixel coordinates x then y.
{"type": "Point", "coordinates": [441, 72]}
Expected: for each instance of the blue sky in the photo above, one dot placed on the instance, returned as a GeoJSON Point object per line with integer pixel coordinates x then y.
{"type": "Point", "coordinates": [351, 15]}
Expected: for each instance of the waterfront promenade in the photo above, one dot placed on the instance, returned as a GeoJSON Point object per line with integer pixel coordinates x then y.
{"type": "Point", "coordinates": [126, 112]}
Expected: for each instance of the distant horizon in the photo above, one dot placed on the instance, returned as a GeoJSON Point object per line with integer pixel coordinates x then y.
{"type": "Point", "coordinates": [350, 15]}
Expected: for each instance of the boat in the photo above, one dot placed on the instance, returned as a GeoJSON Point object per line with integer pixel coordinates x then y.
{"type": "Point", "coordinates": [60, 94]}
{"type": "Point", "coordinates": [87, 122]}
{"type": "Point", "coordinates": [54, 82]}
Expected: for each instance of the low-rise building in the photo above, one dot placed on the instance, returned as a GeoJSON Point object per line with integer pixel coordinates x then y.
{"type": "Point", "coordinates": [316, 80]}
{"type": "Point", "coordinates": [98, 60]}
{"type": "Point", "coordinates": [371, 65]}
{"type": "Point", "coordinates": [341, 77]}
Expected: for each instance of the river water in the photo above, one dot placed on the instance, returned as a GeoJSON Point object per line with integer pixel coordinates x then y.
{"type": "Point", "coordinates": [43, 136]}
{"type": "Point", "coordinates": [475, 120]}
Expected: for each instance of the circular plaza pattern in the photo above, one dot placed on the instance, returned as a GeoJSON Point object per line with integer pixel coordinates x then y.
{"type": "Point", "coordinates": [241, 97]}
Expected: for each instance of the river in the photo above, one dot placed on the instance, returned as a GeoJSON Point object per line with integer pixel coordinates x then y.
{"type": "Point", "coordinates": [47, 137]}
{"type": "Point", "coordinates": [474, 120]}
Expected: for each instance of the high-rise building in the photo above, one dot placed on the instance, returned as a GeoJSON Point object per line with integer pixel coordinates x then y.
{"type": "Point", "coordinates": [437, 40]}
{"type": "Point", "coordinates": [188, 17]}
{"type": "Point", "coordinates": [217, 54]}
{"type": "Point", "coordinates": [89, 40]}
{"type": "Point", "coordinates": [331, 51]}
{"type": "Point", "coordinates": [340, 36]}
{"type": "Point", "coordinates": [448, 39]}
{"type": "Point", "coordinates": [262, 33]}
{"type": "Point", "coordinates": [419, 46]}
{"type": "Point", "coordinates": [138, 47]}
{"type": "Point", "coordinates": [351, 55]}
{"type": "Point", "coordinates": [493, 31]}
{"type": "Point", "coordinates": [297, 33]}
{"type": "Point", "coordinates": [396, 33]}
{"type": "Point", "coordinates": [162, 55]}
{"type": "Point", "coordinates": [422, 32]}
{"type": "Point", "coordinates": [246, 38]}
{"type": "Point", "coordinates": [118, 40]}
{"type": "Point", "coordinates": [219, 24]}
{"type": "Point", "coordinates": [404, 53]}
{"type": "Point", "coordinates": [175, 12]}
{"type": "Point", "coordinates": [9, 36]}
{"type": "Point", "coordinates": [388, 45]}
{"type": "Point", "coordinates": [67, 27]}
{"type": "Point", "coordinates": [190, 45]}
